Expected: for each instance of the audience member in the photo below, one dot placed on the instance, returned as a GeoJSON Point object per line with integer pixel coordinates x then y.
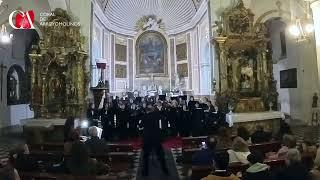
{"type": "Point", "coordinates": [257, 170]}
{"type": "Point", "coordinates": [221, 171]}
{"type": "Point", "coordinates": [223, 138]}
{"type": "Point", "coordinates": [288, 142]}
{"type": "Point", "coordinates": [294, 169]}
{"type": "Point", "coordinates": [95, 145]}
{"type": "Point", "coordinates": [80, 164]}
{"type": "Point", "coordinates": [244, 134]}
{"type": "Point", "coordinates": [308, 145]}
{"type": "Point", "coordinates": [239, 151]}
{"type": "Point", "coordinates": [315, 172]}
{"type": "Point", "coordinates": [205, 157]}
{"type": "Point", "coordinates": [73, 137]}
{"type": "Point", "coordinates": [260, 136]}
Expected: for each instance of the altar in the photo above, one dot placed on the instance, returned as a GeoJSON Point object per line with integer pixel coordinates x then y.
{"type": "Point", "coordinates": [43, 130]}
{"type": "Point", "coordinates": [270, 120]}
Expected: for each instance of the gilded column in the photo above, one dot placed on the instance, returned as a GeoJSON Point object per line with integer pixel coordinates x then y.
{"type": "Point", "coordinates": [223, 81]}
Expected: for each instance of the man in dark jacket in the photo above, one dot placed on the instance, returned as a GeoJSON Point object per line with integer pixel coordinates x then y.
{"type": "Point", "coordinates": [152, 140]}
{"type": "Point", "coordinates": [294, 170]}
{"type": "Point", "coordinates": [257, 169]}
{"type": "Point", "coordinates": [260, 136]}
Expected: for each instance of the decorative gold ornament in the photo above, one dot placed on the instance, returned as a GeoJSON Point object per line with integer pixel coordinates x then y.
{"type": "Point", "coordinates": [58, 73]}
{"type": "Point", "coordinates": [245, 74]}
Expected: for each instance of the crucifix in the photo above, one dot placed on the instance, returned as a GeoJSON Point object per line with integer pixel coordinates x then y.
{"type": "Point", "coordinates": [2, 68]}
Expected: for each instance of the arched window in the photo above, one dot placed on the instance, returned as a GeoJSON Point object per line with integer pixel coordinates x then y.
{"type": "Point", "coordinates": [16, 86]}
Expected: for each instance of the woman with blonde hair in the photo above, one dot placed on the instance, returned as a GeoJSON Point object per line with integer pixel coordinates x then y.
{"type": "Point", "coordinates": [239, 151]}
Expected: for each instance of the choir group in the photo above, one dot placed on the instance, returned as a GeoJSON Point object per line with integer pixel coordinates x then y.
{"type": "Point", "coordinates": [122, 118]}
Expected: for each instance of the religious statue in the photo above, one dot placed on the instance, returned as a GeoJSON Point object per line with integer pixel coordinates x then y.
{"type": "Point", "coordinates": [13, 89]}
{"type": "Point", "coordinates": [247, 75]}
{"type": "Point", "coordinates": [315, 111]}
{"type": "Point", "coordinates": [151, 24]}
{"type": "Point", "coordinates": [177, 81]}
{"type": "Point", "coordinates": [315, 100]}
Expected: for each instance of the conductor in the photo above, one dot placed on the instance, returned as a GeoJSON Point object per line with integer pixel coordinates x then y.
{"type": "Point", "coordinates": [152, 140]}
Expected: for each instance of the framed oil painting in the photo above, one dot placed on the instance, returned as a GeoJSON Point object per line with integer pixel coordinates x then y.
{"type": "Point", "coordinates": [182, 70]}
{"type": "Point", "coordinates": [181, 50]}
{"type": "Point", "coordinates": [288, 78]}
{"type": "Point", "coordinates": [121, 52]}
{"type": "Point", "coordinates": [120, 71]}
{"type": "Point", "coordinates": [151, 48]}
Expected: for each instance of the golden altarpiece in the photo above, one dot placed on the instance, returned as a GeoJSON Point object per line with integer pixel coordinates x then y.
{"type": "Point", "coordinates": [246, 81]}
{"type": "Point", "coordinates": [58, 66]}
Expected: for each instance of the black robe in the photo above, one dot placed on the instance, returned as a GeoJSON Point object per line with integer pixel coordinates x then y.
{"type": "Point", "coordinates": [197, 121]}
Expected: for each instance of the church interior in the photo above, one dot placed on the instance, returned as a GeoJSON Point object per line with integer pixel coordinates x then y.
{"type": "Point", "coordinates": [159, 89]}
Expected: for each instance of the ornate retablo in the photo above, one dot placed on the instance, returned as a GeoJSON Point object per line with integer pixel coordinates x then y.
{"type": "Point", "coordinates": [245, 74]}
{"type": "Point", "coordinates": [58, 71]}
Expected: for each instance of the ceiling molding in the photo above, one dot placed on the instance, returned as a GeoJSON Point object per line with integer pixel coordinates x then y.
{"type": "Point", "coordinates": [193, 19]}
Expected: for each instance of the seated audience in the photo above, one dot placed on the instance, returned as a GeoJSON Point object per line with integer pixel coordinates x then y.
{"type": "Point", "coordinates": [244, 134]}
{"type": "Point", "coordinates": [223, 138]}
{"type": "Point", "coordinates": [288, 142]}
{"type": "Point", "coordinates": [308, 145]}
{"type": "Point", "coordinates": [315, 172]}
{"type": "Point", "coordinates": [73, 137]}
{"type": "Point", "coordinates": [260, 136]}
{"type": "Point", "coordinates": [294, 169]}
{"type": "Point", "coordinates": [257, 170]}
{"type": "Point", "coordinates": [95, 145]}
{"type": "Point", "coordinates": [206, 155]}
{"type": "Point", "coordinates": [221, 171]}
{"type": "Point", "coordinates": [80, 164]}
{"type": "Point", "coordinates": [239, 151]}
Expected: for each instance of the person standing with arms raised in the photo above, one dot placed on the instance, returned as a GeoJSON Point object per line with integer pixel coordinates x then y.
{"type": "Point", "coordinates": [152, 140]}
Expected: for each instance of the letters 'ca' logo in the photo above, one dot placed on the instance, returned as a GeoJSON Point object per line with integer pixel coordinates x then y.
{"type": "Point", "coordinates": [24, 20]}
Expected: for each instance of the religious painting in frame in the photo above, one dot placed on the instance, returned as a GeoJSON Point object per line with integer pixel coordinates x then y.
{"type": "Point", "coordinates": [288, 78]}
{"type": "Point", "coordinates": [121, 71]}
{"type": "Point", "coordinates": [151, 56]}
{"type": "Point", "coordinates": [121, 52]}
{"type": "Point", "coordinates": [182, 70]}
{"type": "Point", "coordinates": [181, 50]}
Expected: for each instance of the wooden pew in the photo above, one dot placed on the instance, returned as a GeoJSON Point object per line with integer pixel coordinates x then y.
{"type": "Point", "coordinates": [115, 147]}
{"type": "Point", "coordinates": [52, 176]}
{"type": "Point", "coordinates": [49, 146]}
{"type": "Point", "coordinates": [264, 147]}
{"type": "Point", "coordinates": [192, 142]}
{"type": "Point", "coordinates": [272, 146]}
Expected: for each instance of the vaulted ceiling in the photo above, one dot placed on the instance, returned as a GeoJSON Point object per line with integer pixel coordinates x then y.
{"type": "Point", "coordinates": [125, 13]}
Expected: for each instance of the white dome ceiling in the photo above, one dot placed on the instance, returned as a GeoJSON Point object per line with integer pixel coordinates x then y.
{"type": "Point", "coordinates": [125, 13]}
